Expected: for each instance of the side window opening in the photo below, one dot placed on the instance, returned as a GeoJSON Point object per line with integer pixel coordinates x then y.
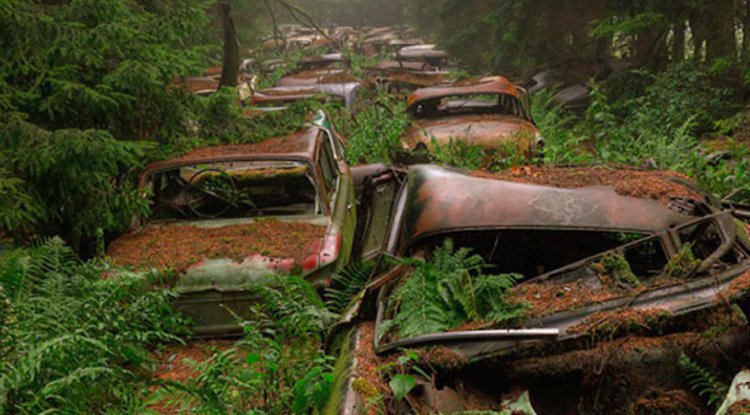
{"type": "Point", "coordinates": [646, 259]}
{"type": "Point", "coordinates": [328, 167]}
{"type": "Point", "coordinates": [704, 238]}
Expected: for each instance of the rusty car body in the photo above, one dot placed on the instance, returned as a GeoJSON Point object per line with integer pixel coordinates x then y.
{"type": "Point", "coordinates": [554, 233]}
{"type": "Point", "coordinates": [490, 112]}
{"type": "Point", "coordinates": [278, 97]}
{"type": "Point", "coordinates": [400, 76]}
{"type": "Point", "coordinates": [228, 217]}
{"type": "Point", "coordinates": [428, 53]}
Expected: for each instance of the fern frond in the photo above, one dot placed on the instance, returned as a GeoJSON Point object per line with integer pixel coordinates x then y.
{"type": "Point", "coordinates": [348, 284]}
{"type": "Point", "coordinates": [702, 381]}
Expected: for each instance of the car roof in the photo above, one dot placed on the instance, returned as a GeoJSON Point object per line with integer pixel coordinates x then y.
{"type": "Point", "coordinates": [300, 145]}
{"type": "Point", "coordinates": [442, 200]}
{"type": "Point", "coordinates": [488, 85]}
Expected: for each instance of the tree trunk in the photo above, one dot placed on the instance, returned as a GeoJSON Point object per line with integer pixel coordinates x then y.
{"type": "Point", "coordinates": [746, 32]}
{"type": "Point", "coordinates": [698, 30]}
{"type": "Point", "coordinates": [678, 41]}
{"type": "Point", "coordinates": [230, 69]}
{"type": "Point", "coordinates": [720, 39]}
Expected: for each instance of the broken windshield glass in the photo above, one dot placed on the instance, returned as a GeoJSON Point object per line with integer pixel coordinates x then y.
{"type": "Point", "coordinates": [233, 189]}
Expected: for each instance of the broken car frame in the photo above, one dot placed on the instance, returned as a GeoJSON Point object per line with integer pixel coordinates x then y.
{"type": "Point", "coordinates": [557, 237]}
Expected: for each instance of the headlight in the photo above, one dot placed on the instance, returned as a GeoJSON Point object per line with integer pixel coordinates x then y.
{"type": "Point", "coordinates": [537, 146]}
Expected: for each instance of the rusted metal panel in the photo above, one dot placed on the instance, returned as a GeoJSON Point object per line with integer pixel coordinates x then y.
{"type": "Point", "coordinates": [489, 85]}
{"type": "Point", "coordinates": [421, 52]}
{"type": "Point", "coordinates": [443, 200]}
{"type": "Point", "coordinates": [297, 146]}
{"type": "Point", "coordinates": [346, 92]}
{"type": "Point", "coordinates": [488, 131]}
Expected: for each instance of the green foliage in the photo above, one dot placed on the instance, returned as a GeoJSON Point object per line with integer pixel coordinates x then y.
{"type": "Point", "coordinates": [702, 381]}
{"type": "Point", "coordinates": [294, 306]}
{"type": "Point", "coordinates": [458, 153]}
{"type": "Point", "coordinates": [100, 64]}
{"type": "Point", "coordinates": [401, 385]}
{"type": "Point", "coordinates": [74, 341]}
{"type": "Point", "coordinates": [563, 145]}
{"type": "Point", "coordinates": [347, 284]}
{"type": "Point", "coordinates": [617, 267]}
{"type": "Point", "coordinates": [448, 291]}
{"type": "Point", "coordinates": [76, 181]}
{"type": "Point", "coordinates": [683, 263]}
{"type": "Point", "coordinates": [377, 130]}
{"type": "Point", "coordinates": [659, 127]}
{"type": "Point", "coordinates": [277, 367]}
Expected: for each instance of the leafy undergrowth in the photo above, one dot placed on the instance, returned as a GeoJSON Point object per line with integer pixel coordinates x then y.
{"type": "Point", "coordinates": [670, 127]}
{"type": "Point", "coordinates": [277, 367]}
{"type": "Point", "coordinates": [72, 340]}
{"type": "Point", "coordinates": [447, 291]}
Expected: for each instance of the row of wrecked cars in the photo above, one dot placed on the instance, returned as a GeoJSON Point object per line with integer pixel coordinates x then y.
{"type": "Point", "coordinates": [620, 270]}
{"type": "Point", "coordinates": [618, 274]}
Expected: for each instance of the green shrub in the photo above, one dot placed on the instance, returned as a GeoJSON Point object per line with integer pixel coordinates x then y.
{"type": "Point", "coordinates": [77, 183]}
{"type": "Point", "coordinates": [377, 130]}
{"type": "Point", "coordinates": [74, 341]}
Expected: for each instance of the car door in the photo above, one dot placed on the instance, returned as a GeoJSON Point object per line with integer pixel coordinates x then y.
{"type": "Point", "coordinates": [376, 211]}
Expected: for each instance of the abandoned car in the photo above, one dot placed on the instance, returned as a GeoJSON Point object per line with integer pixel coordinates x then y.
{"type": "Point", "coordinates": [489, 112]}
{"type": "Point", "coordinates": [398, 76]}
{"type": "Point", "coordinates": [227, 217]}
{"type": "Point", "coordinates": [572, 85]}
{"type": "Point", "coordinates": [278, 97]}
{"type": "Point", "coordinates": [423, 53]}
{"type": "Point", "coordinates": [602, 279]}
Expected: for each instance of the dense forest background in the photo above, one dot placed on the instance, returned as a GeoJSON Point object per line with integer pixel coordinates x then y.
{"type": "Point", "coordinates": [85, 96]}
{"type": "Point", "coordinates": [88, 97]}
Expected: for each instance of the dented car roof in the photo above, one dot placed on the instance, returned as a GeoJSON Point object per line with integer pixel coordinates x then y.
{"type": "Point", "coordinates": [443, 200]}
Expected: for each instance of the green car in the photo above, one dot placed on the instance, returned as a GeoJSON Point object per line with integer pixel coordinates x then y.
{"type": "Point", "coordinates": [227, 217]}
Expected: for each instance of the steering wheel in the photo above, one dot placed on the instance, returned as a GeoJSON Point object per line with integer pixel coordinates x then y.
{"type": "Point", "coordinates": [224, 191]}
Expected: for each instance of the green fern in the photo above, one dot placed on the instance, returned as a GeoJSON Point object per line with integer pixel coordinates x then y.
{"type": "Point", "coordinates": [348, 284]}
{"type": "Point", "coordinates": [702, 381]}
{"type": "Point", "coordinates": [294, 306]}
{"type": "Point", "coordinates": [74, 340]}
{"type": "Point", "coordinates": [449, 291]}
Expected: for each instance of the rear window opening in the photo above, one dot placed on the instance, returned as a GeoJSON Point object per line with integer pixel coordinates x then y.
{"type": "Point", "coordinates": [233, 190]}
{"type": "Point", "coordinates": [530, 252]}
{"type": "Point", "coordinates": [502, 104]}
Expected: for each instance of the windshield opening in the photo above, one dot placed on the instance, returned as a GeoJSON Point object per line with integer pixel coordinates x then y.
{"type": "Point", "coordinates": [502, 104]}
{"type": "Point", "coordinates": [530, 252]}
{"type": "Point", "coordinates": [233, 189]}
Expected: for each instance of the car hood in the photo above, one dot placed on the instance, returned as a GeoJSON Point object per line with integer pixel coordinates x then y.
{"type": "Point", "coordinates": [228, 255]}
{"type": "Point", "coordinates": [488, 131]}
